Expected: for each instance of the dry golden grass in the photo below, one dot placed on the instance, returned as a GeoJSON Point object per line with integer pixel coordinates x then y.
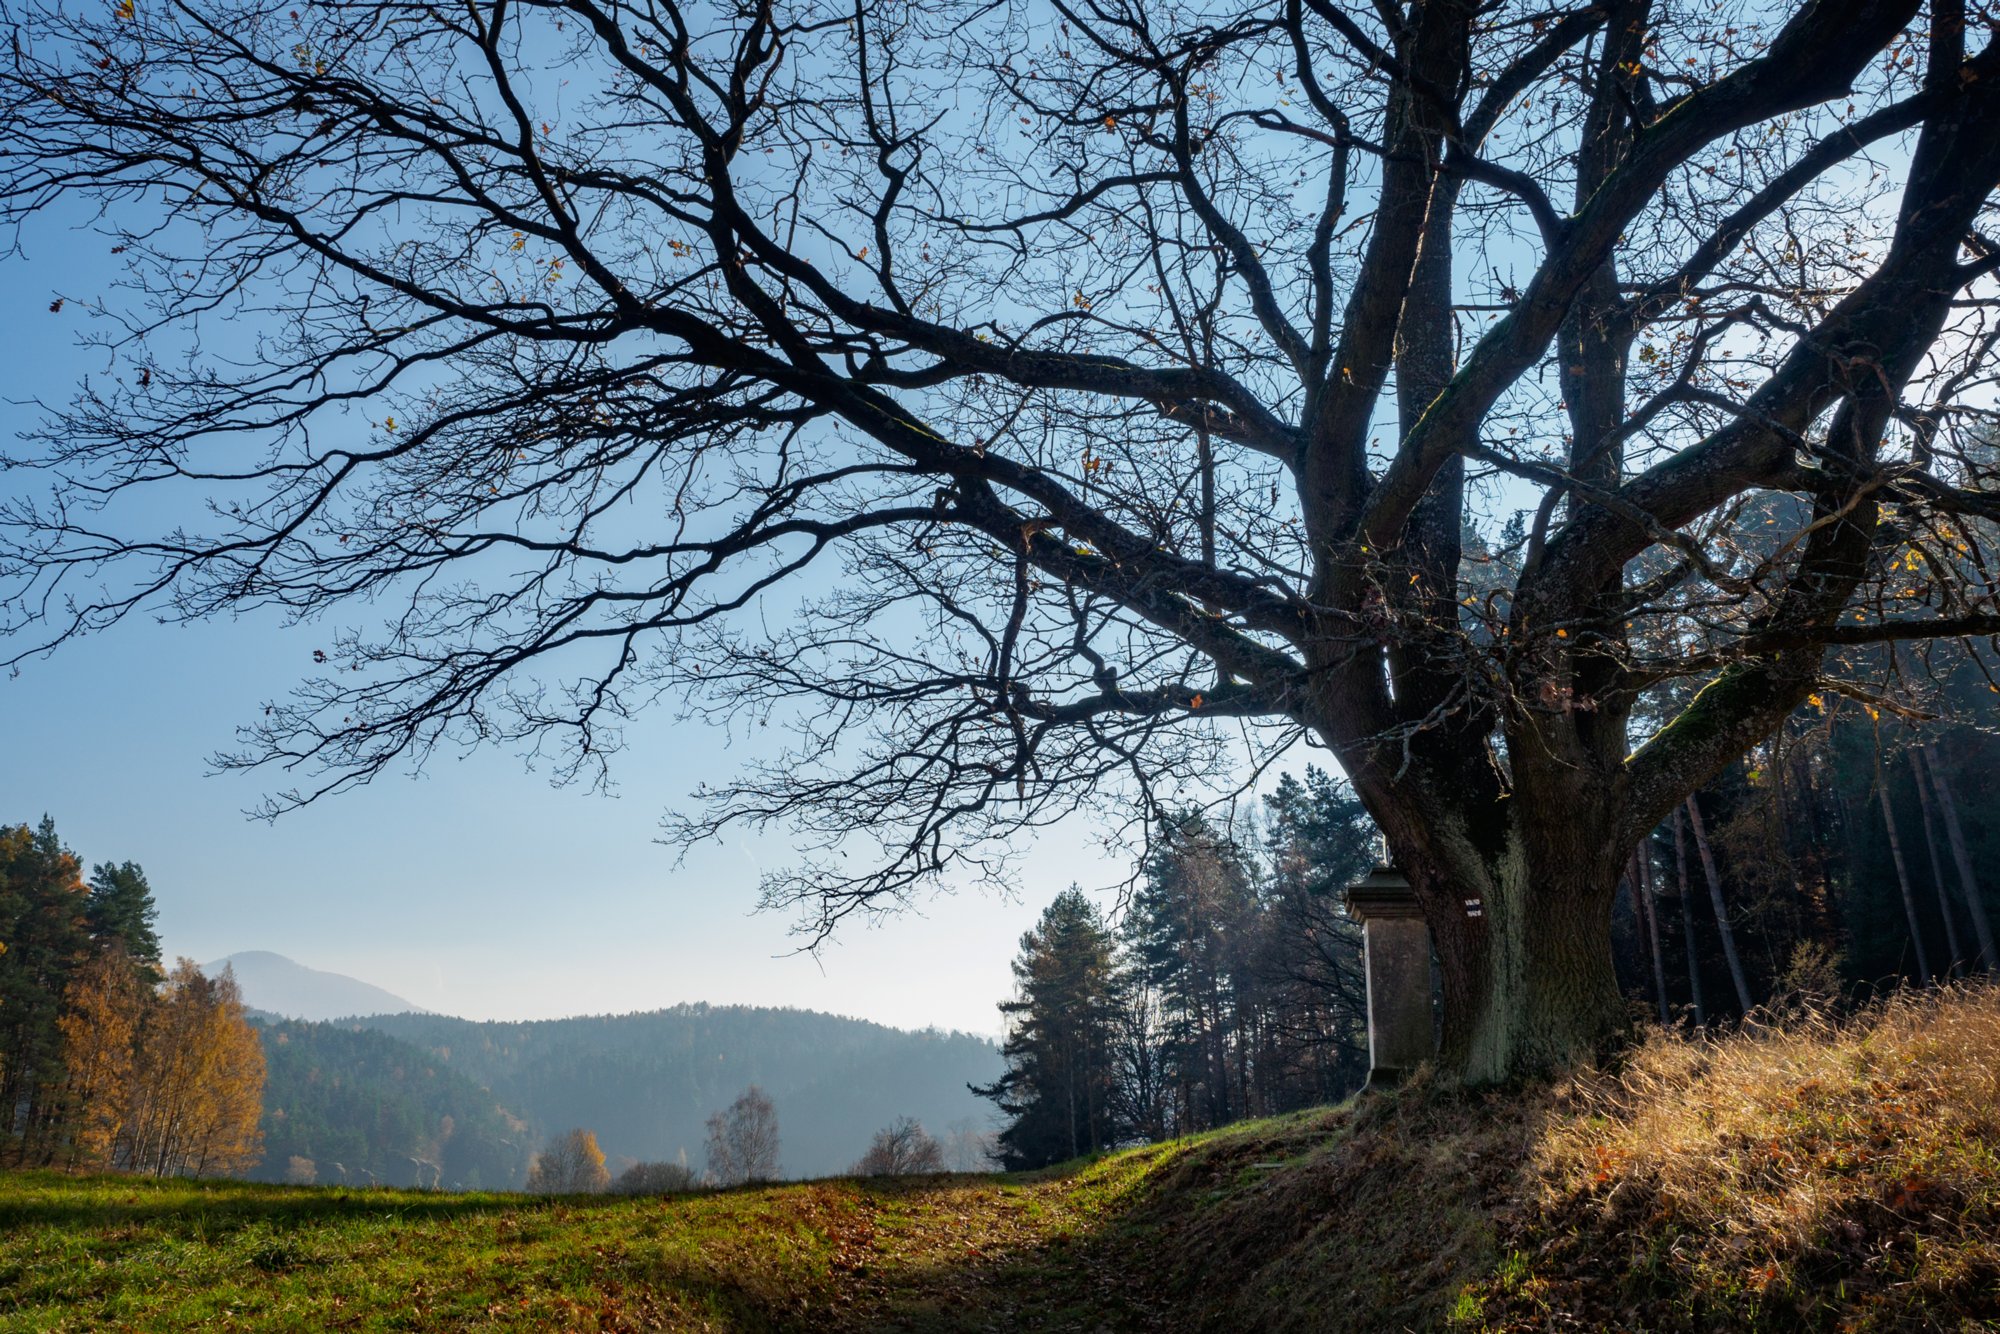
{"type": "Point", "coordinates": [1804, 1174]}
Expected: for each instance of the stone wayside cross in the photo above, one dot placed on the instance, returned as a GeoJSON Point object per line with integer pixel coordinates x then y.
{"type": "Point", "coordinates": [1397, 949]}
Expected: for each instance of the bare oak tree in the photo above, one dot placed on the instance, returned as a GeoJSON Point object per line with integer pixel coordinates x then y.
{"type": "Point", "coordinates": [900, 1149]}
{"type": "Point", "coordinates": [1040, 407]}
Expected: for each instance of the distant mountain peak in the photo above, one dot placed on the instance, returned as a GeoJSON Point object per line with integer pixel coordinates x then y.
{"type": "Point", "coordinates": [282, 986]}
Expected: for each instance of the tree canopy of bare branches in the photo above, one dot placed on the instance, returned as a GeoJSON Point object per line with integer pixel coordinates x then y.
{"type": "Point", "coordinates": [1038, 406]}
{"type": "Point", "coordinates": [900, 1149]}
{"type": "Point", "coordinates": [743, 1140]}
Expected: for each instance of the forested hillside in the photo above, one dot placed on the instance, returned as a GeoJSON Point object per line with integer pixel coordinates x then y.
{"type": "Point", "coordinates": [350, 1105]}
{"type": "Point", "coordinates": [645, 1083]}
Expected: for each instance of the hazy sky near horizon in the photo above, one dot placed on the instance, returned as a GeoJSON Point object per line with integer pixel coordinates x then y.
{"type": "Point", "coordinates": [475, 889]}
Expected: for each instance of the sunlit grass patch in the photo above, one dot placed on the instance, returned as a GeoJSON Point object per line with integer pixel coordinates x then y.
{"type": "Point", "coordinates": [1810, 1173]}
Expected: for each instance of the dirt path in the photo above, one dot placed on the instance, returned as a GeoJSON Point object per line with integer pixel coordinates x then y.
{"type": "Point", "coordinates": [964, 1255]}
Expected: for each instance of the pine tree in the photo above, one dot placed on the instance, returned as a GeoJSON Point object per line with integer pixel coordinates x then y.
{"type": "Point", "coordinates": [42, 898]}
{"type": "Point", "coordinates": [1191, 932]}
{"type": "Point", "coordinates": [120, 911]}
{"type": "Point", "coordinates": [1318, 841]}
{"type": "Point", "coordinates": [1989, 957]}
{"type": "Point", "coordinates": [1059, 1085]}
{"type": "Point", "coordinates": [1722, 923]}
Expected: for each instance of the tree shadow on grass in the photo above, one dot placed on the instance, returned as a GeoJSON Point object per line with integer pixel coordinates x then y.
{"type": "Point", "coordinates": [1373, 1215]}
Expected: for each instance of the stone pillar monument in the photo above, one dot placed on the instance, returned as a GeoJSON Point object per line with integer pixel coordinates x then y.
{"type": "Point", "coordinates": [1397, 948]}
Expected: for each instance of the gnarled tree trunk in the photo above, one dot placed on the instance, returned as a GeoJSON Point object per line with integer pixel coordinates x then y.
{"type": "Point", "coordinates": [1526, 951]}
{"type": "Point", "coordinates": [1518, 894]}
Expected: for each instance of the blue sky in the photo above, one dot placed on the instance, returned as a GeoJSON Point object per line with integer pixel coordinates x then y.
{"type": "Point", "coordinates": [475, 889]}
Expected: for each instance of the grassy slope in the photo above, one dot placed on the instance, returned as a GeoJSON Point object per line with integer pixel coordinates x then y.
{"type": "Point", "coordinates": [1809, 1178]}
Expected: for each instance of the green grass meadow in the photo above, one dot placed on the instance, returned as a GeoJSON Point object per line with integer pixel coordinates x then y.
{"type": "Point", "coordinates": [1816, 1175]}
{"type": "Point", "coordinates": [105, 1253]}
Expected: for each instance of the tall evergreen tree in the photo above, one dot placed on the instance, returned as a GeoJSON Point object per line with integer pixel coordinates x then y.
{"type": "Point", "coordinates": [1192, 932]}
{"type": "Point", "coordinates": [120, 911]}
{"type": "Point", "coordinates": [1060, 1084]}
{"type": "Point", "coordinates": [42, 899]}
{"type": "Point", "coordinates": [1319, 840]}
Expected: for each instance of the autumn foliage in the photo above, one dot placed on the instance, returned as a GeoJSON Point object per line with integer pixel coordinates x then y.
{"type": "Point", "coordinates": [168, 1081]}
{"type": "Point", "coordinates": [106, 1062]}
{"type": "Point", "coordinates": [570, 1164]}
{"type": "Point", "coordinates": [198, 1081]}
{"type": "Point", "coordinates": [100, 1028]}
